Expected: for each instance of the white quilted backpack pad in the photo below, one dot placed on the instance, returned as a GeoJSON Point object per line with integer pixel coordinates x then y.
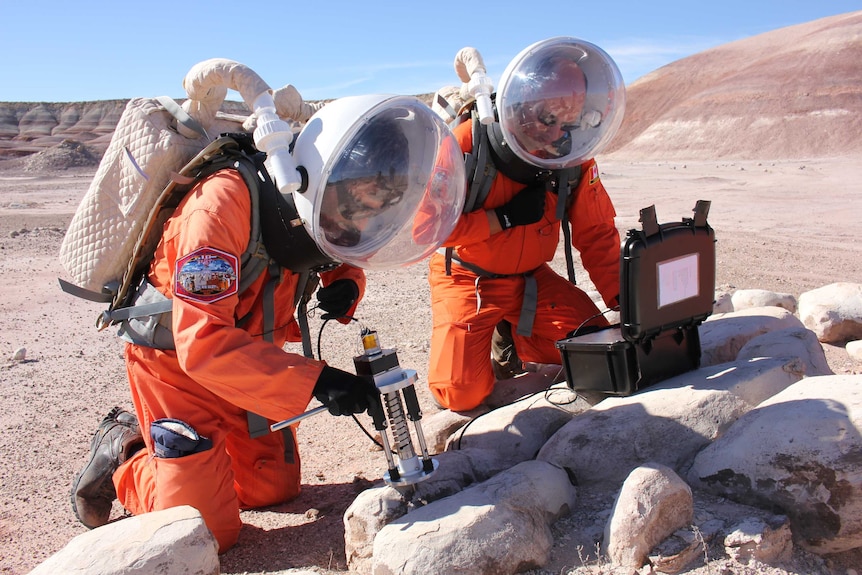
{"type": "Point", "coordinates": [136, 167]}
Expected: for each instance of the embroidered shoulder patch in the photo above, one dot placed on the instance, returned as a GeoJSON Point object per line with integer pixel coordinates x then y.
{"type": "Point", "coordinates": [206, 275]}
{"type": "Point", "coordinates": [594, 174]}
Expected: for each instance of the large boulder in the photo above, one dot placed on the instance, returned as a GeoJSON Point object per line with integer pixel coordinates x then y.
{"type": "Point", "coordinates": [799, 452]}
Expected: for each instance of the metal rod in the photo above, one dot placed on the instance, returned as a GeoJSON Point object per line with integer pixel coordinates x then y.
{"type": "Point", "coordinates": [297, 419]}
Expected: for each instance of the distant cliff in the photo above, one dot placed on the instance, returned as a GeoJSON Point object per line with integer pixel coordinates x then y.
{"type": "Point", "coordinates": [29, 127]}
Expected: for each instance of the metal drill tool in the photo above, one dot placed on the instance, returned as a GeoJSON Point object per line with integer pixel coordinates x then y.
{"type": "Point", "coordinates": [398, 403]}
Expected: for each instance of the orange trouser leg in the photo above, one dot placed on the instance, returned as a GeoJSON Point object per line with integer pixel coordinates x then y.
{"type": "Point", "coordinates": [203, 480]}
{"type": "Point", "coordinates": [237, 472]}
{"type": "Point", "coordinates": [459, 373]}
{"type": "Point", "coordinates": [266, 469]}
{"type": "Point", "coordinates": [562, 307]}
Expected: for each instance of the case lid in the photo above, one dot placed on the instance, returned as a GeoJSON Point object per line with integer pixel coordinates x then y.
{"type": "Point", "coordinates": [667, 274]}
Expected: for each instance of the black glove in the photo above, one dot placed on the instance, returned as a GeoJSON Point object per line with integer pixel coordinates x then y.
{"type": "Point", "coordinates": [344, 393]}
{"type": "Point", "coordinates": [527, 207]}
{"type": "Point", "coordinates": [337, 298]}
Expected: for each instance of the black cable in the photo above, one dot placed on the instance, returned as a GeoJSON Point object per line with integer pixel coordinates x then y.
{"type": "Point", "coordinates": [545, 391]}
{"type": "Point", "coordinates": [320, 358]}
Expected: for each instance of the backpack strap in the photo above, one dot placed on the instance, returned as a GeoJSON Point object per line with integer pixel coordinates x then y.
{"type": "Point", "coordinates": [104, 296]}
{"type": "Point", "coordinates": [182, 116]}
{"type": "Point", "coordinates": [258, 425]}
{"type": "Point", "coordinates": [480, 170]}
{"type": "Point", "coordinates": [563, 182]}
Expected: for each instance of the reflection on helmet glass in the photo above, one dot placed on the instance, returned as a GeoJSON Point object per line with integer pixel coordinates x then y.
{"type": "Point", "coordinates": [367, 180]}
{"type": "Point", "coordinates": [560, 101]}
{"type": "Point", "coordinates": [365, 197]}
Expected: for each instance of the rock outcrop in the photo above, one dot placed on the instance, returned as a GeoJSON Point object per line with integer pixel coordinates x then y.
{"type": "Point", "coordinates": [30, 127]}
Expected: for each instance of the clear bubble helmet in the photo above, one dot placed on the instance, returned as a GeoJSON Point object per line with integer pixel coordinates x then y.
{"type": "Point", "coordinates": [560, 102]}
{"type": "Point", "coordinates": [385, 180]}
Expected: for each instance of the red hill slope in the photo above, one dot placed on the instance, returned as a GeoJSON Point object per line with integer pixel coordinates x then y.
{"type": "Point", "coordinates": [792, 93]}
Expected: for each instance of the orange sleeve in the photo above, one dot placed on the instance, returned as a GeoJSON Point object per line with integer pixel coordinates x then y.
{"type": "Point", "coordinates": [247, 371]}
{"type": "Point", "coordinates": [594, 233]}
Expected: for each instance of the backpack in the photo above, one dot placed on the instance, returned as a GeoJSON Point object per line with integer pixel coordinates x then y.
{"type": "Point", "coordinates": [147, 145]}
{"type": "Point", "coordinates": [147, 170]}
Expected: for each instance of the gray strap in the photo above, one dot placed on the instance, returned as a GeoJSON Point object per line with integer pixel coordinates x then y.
{"type": "Point", "coordinates": [142, 310]}
{"type": "Point", "coordinates": [304, 288]}
{"type": "Point", "coordinates": [565, 180]}
{"type": "Point", "coordinates": [269, 301]}
{"type": "Point", "coordinates": [528, 305]}
{"type": "Point", "coordinates": [472, 267]}
{"type": "Point", "coordinates": [181, 115]}
{"type": "Point", "coordinates": [444, 104]}
{"type": "Point", "coordinates": [89, 295]}
{"type": "Point", "coordinates": [257, 424]}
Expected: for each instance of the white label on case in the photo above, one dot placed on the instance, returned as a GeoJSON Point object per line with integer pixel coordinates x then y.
{"type": "Point", "coordinates": [677, 279]}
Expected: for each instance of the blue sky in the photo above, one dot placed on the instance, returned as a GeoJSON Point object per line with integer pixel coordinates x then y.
{"type": "Point", "coordinates": [78, 51]}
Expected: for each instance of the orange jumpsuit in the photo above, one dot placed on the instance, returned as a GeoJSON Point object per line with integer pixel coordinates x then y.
{"type": "Point", "coordinates": [466, 307]}
{"type": "Point", "coordinates": [218, 372]}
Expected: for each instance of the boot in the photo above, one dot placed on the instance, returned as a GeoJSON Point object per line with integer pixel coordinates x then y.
{"type": "Point", "coordinates": [504, 357]}
{"type": "Point", "coordinates": [116, 440]}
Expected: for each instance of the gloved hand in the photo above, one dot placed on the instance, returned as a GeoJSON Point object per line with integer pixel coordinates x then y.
{"type": "Point", "coordinates": [527, 207]}
{"type": "Point", "coordinates": [344, 393]}
{"type": "Point", "coordinates": [337, 298]}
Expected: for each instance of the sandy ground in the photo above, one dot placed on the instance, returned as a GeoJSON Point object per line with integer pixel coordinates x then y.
{"type": "Point", "coordinates": [786, 226]}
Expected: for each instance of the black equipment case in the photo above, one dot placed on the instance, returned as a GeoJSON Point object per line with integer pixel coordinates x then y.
{"type": "Point", "coordinates": [667, 289]}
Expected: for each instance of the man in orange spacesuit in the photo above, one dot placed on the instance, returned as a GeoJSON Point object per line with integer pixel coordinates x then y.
{"type": "Point", "coordinates": [189, 441]}
{"type": "Point", "coordinates": [498, 270]}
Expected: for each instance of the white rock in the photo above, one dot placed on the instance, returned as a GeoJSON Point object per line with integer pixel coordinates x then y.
{"type": "Point", "coordinates": [723, 335]}
{"type": "Point", "coordinates": [798, 451]}
{"type": "Point", "coordinates": [794, 342]}
{"type": "Point", "coordinates": [652, 504]}
{"type": "Point", "coordinates": [748, 298]}
{"type": "Point", "coordinates": [833, 312]}
{"type": "Point", "coordinates": [174, 540]}
{"type": "Point", "coordinates": [498, 527]}
{"type": "Point", "coordinates": [753, 539]}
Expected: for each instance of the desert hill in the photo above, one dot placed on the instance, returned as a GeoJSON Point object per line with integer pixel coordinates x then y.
{"type": "Point", "coordinates": [795, 92]}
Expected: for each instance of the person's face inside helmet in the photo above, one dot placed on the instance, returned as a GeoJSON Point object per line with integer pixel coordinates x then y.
{"type": "Point", "coordinates": [551, 109]}
{"type": "Point", "coordinates": [548, 123]}
{"type": "Point", "coordinates": [349, 205]}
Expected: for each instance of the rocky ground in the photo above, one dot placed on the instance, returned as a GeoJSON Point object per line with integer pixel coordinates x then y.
{"type": "Point", "coordinates": [786, 226]}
